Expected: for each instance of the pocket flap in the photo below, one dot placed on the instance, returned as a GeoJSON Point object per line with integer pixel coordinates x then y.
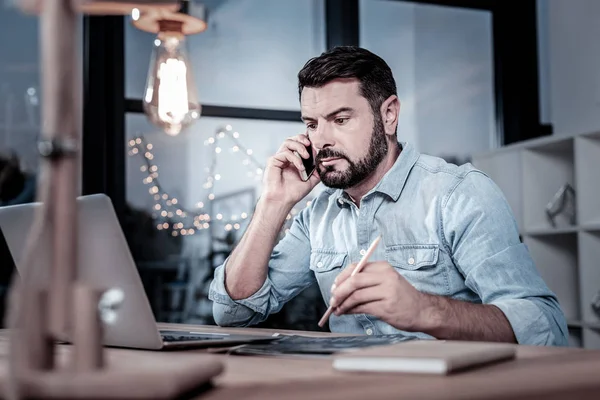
{"type": "Point", "coordinates": [412, 256]}
{"type": "Point", "coordinates": [326, 261]}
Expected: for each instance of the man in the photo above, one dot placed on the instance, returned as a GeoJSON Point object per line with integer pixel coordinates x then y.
{"type": "Point", "coordinates": [450, 264]}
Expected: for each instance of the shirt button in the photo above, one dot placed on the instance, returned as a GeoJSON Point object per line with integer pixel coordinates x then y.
{"type": "Point", "coordinates": [363, 252]}
{"type": "Point", "coordinates": [340, 201]}
{"type": "Point", "coordinates": [369, 331]}
{"type": "Point", "coordinates": [319, 264]}
{"type": "Point", "coordinates": [411, 261]}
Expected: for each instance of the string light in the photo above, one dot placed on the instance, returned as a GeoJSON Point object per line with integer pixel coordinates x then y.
{"type": "Point", "coordinates": [180, 220]}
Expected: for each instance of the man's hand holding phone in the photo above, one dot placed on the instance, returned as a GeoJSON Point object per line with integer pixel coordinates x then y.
{"type": "Point", "coordinates": [290, 174]}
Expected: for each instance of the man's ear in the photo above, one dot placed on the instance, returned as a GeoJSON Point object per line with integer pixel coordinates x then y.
{"type": "Point", "coordinates": [390, 109]}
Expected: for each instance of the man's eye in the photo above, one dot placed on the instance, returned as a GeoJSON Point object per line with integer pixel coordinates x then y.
{"type": "Point", "coordinates": [341, 121]}
{"type": "Point", "coordinates": [312, 127]}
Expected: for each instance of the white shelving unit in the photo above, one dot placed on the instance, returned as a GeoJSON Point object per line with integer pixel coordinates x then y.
{"type": "Point", "coordinates": [566, 255]}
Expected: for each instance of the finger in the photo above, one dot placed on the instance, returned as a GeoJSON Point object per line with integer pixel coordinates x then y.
{"type": "Point", "coordinates": [376, 266]}
{"type": "Point", "coordinates": [295, 144]}
{"type": "Point", "coordinates": [360, 297]}
{"type": "Point", "coordinates": [285, 158]}
{"type": "Point", "coordinates": [304, 139]}
{"type": "Point", "coordinates": [352, 284]}
{"type": "Point", "coordinates": [373, 308]}
{"type": "Point", "coordinates": [298, 148]}
{"type": "Point", "coordinates": [342, 276]}
{"type": "Point", "coordinates": [347, 272]}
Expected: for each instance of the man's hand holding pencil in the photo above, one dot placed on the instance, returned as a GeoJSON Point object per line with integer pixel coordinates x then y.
{"type": "Point", "coordinates": [377, 289]}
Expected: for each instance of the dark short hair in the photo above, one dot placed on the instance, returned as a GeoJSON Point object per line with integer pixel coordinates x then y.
{"type": "Point", "coordinates": [375, 76]}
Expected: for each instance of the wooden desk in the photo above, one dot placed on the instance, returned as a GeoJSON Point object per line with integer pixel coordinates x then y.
{"type": "Point", "coordinates": [537, 373]}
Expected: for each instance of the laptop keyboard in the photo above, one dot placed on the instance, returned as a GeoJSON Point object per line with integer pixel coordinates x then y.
{"type": "Point", "coordinates": [186, 337]}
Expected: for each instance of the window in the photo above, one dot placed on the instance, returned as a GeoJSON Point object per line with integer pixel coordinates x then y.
{"type": "Point", "coordinates": [442, 60]}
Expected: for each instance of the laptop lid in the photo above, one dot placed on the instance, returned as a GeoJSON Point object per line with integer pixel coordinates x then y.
{"type": "Point", "coordinates": [104, 261]}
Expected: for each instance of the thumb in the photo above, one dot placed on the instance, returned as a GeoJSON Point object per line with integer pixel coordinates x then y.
{"type": "Point", "coordinates": [314, 179]}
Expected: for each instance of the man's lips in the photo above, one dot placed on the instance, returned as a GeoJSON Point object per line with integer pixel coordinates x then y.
{"type": "Point", "coordinates": [331, 160]}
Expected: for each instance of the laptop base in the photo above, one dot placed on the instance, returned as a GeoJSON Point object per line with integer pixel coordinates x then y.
{"type": "Point", "coordinates": [178, 340]}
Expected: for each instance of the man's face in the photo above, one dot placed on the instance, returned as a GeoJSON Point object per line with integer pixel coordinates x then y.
{"type": "Point", "coordinates": [350, 141]}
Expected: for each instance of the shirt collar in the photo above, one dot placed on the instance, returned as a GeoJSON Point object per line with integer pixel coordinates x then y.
{"type": "Point", "coordinates": [393, 181]}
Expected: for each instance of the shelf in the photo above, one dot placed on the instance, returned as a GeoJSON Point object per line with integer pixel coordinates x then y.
{"type": "Point", "coordinates": [566, 255]}
{"type": "Point", "coordinates": [546, 169]}
{"type": "Point", "coordinates": [591, 227]}
{"type": "Point", "coordinates": [555, 258]}
{"type": "Point", "coordinates": [551, 231]}
{"type": "Point", "coordinates": [587, 167]}
{"type": "Point", "coordinates": [537, 143]}
{"type": "Point", "coordinates": [583, 324]}
{"type": "Point", "coordinates": [556, 145]}
{"type": "Point", "coordinates": [575, 337]}
{"type": "Point", "coordinates": [591, 339]}
{"type": "Point", "coordinates": [589, 284]}
{"type": "Point", "coordinates": [591, 135]}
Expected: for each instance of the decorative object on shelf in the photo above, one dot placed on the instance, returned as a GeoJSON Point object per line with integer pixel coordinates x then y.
{"type": "Point", "coordinates": [596, 304]}
{"type": "Point", "coordinates": [170, 98]}
{"type": "Point", "coordinates": [69, 308]}
{"type": "Point", "coordinates": [563, 202]}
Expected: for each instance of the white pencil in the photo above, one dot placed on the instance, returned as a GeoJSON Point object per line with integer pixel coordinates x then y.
{"type": "Point", "coordinates": [357, 269]}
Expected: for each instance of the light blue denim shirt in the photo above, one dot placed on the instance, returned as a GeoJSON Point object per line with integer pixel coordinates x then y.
{"type": "Point", "coordinates": [447, 229]}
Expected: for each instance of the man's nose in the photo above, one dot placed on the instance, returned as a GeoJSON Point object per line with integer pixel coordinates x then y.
{"type": "Point", "coordinates": [321, 137]}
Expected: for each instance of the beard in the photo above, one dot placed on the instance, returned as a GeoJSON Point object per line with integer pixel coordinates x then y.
{"type": "Point", "coordinates": [359, 170]}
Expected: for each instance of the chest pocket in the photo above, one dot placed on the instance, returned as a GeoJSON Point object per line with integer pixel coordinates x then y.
{"type": "Point", "coordinates": [326, 266]}
{"type": "Point", "coordinates": [419, 264]}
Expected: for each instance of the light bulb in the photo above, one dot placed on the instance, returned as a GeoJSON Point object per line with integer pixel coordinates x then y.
{"type": "Point", "coordinates": [170, 99]}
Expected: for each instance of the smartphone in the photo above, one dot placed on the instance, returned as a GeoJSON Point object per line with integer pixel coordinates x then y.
{"type": "Point", "coordinates": [309, 164]}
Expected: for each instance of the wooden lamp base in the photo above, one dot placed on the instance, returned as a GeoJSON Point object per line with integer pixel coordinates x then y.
{"type": "Point", "coordinates": [87, 370]}
{"type": "Point", "coordinates": [171, 378]}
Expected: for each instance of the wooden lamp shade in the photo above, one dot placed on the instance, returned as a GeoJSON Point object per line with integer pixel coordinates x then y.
{"type": "Point", "coordinates": [105, 7]}
{"type": "Point", "coordinates": [67, 309]}
{"type": "Point", "coordinates": [191, 19]}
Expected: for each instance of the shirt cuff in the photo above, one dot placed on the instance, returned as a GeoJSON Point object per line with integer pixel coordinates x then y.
{"type": "Point", "coordinates": [529, 323]}
{"type": "Point", "coordinates": [258, 302]}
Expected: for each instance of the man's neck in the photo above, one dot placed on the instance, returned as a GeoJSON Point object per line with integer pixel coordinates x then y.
{"type": "Point", "coordinates": [357, 192]}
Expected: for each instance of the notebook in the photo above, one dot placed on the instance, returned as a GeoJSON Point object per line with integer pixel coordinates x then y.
{"type": "Point", "coordinates": [425, 357]}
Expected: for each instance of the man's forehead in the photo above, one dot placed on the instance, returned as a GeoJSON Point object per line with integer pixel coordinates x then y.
{"type": "Point", "coordinates": [339, 92]}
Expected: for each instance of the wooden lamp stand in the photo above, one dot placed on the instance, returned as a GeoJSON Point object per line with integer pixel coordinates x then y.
{"type": "Point", "coordinates": [68, 309]}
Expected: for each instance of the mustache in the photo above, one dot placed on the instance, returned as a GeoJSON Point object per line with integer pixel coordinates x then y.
{"type": "Point", "coordinates": [330, 153]}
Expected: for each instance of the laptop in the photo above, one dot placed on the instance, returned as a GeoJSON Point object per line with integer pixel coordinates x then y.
{"type": "Point", "coordinates": [106, 262]}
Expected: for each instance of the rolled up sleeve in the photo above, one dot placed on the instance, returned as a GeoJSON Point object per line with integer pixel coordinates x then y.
{"type": "Point", "coordinates": [288, 274]}
{"type": "Point", "coordinates": [482, 236]}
